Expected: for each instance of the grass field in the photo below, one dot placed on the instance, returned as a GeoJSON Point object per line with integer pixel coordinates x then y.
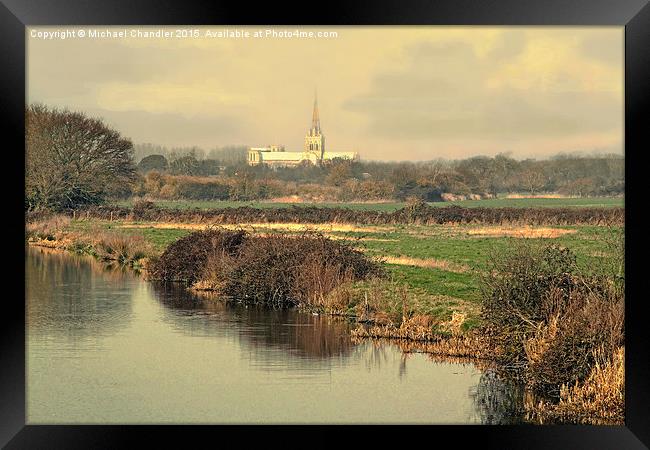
{"type": "Point", "coordinates": [441, 264]}
{"type": "Point", "coordinates": [392, 206]}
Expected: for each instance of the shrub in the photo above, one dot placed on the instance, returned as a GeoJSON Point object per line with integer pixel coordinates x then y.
{"type": "Point", "coordinates": [202, 191]}
{"type": "Point", "coordinates": [277, 270]}
{"type": "Point", "coordinates": [186, 259]}
{"type": "Point", "coordinates": [124, 249]}
{"type": "Point", "coordinates": [423, 214]}
{"type": "Point", "coordinates": [516, 282]}
{"type": "Point", "coordinates": [548, 317]}
{"type": "Point", "coordinates": [141, 207]}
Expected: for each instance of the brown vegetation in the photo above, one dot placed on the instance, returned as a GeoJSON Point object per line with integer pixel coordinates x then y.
{"type": "Point", "coordinates": [599, 400]}
{"type": "Point", "coordinates": [525, 232]}
{"type": "Point", "coordinates": [46, 227]}
{"type": "Point", "coordinates": [277, 270]}
{"type": "Point", "coordinates": [124, 249]}
{"type": "Point", "coordinates": [556, 326]}
{"type": "Point", "coordinates": [412, 214]}
{"type": "Point", "coordinates": [430, 263]}
{"type": "Point", "coordinates": [108, 246]}
{"type": "Point", "coordinates": [73, 160]}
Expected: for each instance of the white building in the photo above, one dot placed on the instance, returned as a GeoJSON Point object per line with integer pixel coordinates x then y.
{"type": "Point", "coordinates": [314, 150]}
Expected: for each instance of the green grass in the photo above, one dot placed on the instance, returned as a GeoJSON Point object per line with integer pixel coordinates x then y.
{"type": "Point", "coordinates": [439, 242]}
{"type": "Point", "coordinates": [595, 202]}
{"type": "Point", "coordinates": [455, 244]}
{"type": "Point", "coordinates": [437, 282]}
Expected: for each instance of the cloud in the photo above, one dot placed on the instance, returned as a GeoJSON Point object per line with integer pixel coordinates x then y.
{"type": "Point", "coordinates": [173, 129]}
{"type": "Point", "coordinates": [522, 86]}
{"type": "Point", "coordinates": [189, 98]}
{"type": "Point", "coordinates": [387, 92]}
{"type": "Point", "coordinates": [602, 48]}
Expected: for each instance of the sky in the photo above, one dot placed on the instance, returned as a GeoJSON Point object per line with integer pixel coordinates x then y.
{"type": "Point", "coordinates": [389, 93]}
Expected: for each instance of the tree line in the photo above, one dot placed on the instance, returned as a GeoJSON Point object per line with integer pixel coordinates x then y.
{"type": "Point", "coordinates": [74, 160]}
{"type": "Point", "coordinates": [598, 175]}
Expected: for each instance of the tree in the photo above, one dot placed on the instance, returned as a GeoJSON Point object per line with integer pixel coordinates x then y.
{"type": "Point", "coordinates": [73, 160]}
{"type": "Point", "coordinates": [185, 165]}
{"type": "Point", "coordinates": [339, 171]}
{"type": "Point", "coordinates": [153, 162]}
{"type": "Point", "coordinates": [403, 174]}
{"type": "Point", "coordinates": [532, 180]}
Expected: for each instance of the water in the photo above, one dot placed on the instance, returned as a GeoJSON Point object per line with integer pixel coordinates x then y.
{"type": "Point", "coordinates": [104, 346]}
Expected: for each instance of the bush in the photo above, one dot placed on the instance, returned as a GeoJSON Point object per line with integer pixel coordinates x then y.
{"type": "Point", "coordinates": [124, 249]}
{"type": "Point", "coordinates": [202, 191]}
{"type": "Point", "coordinates": [141, 207]}
{"type": "Point", "coordinates": [186, 259]}
{"type": "Point", "coordinates": [276, 270]}
{"type": "Point", "coordinates": [518, 280]}
{"type": "Point", "coordinates": [548, 317]}
{"type": "Point", "coordinates": [423, 214]}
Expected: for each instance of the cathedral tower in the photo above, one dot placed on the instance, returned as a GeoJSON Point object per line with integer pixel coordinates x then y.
{"type": "Point", "coordinates": [315, 141]}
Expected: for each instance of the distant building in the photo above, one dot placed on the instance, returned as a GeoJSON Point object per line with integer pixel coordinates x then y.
{"type": "Point", "coordinates": [313, 152]}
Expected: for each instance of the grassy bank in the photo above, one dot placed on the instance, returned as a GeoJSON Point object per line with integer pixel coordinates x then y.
{"type": "Point", "coordinates": [109, 246]}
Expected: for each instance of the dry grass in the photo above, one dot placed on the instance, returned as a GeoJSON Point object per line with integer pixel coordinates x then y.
{"type": "Point", "coordinates": [430, 263]}
{"type": "Point", "coordinates": [108, 246]}
{"type": "Point", "coordinates": [446, 350]}
{"type": "Point", "coordinates": [253, 227]}
{"type": "Point", "coordinates": [524, 232]}
{"type": "Point", "coordinates": [122, 248]}
{"type": "Point", "coordinates": [538, 196]}
{"type": "Point", "coordinates": [48, 228]}
{"type": "Point", "coordinates": [600, 399]}
{"type": "Point", "coordinates": [60, 244]}
{"type": "Point", "coordinates": [409, 340]}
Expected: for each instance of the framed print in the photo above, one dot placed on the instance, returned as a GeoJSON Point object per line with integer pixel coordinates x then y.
{"type": "Point", "coordinates": [410, 214]}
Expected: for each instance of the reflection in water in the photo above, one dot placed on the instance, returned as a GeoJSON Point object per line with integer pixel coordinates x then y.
{"type": "Point", "coordinates": [304, 335]}
{"type": "Point", "coordinates": [107, 347]}
{"type": "Point", "coordinates": [498, 401]}
{"type": "Point", "coordinates": [55, 283]}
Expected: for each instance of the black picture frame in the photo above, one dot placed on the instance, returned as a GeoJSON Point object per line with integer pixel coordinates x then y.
{"type": "Point", "coordinates": [15, 15]}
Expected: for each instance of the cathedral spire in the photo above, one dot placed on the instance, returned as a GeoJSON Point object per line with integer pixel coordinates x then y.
{"type": "Point", "coordinates": [315, 120]}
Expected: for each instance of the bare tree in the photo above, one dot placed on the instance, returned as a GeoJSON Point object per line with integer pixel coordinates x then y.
{"type": "Point", "coordinates": [73, 160]}
{"type": "Point", "coordinates": [532, 180]}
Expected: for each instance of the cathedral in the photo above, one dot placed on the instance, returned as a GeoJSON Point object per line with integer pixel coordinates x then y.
{"type": "Point", "coordinates": [313, 152]}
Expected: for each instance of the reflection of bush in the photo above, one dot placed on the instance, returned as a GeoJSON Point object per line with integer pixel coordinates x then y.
{"type": "Point", "coordinates": [498, 402]}
{"type": "Point", "coordinates": [303, 334]}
